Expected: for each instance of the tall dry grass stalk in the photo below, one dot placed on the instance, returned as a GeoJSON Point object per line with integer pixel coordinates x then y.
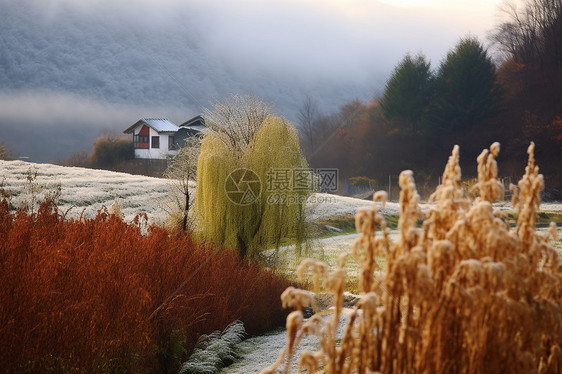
{"type": "Point", "coordinates": [463, 294]}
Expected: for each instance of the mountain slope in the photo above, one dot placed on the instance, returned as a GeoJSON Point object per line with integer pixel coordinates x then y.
{"type": "Point", "coordinates": [128, 61]}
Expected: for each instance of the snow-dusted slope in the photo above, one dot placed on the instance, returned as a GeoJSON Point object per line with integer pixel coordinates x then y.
{"type": "Point", "coordinates": [84, 191]}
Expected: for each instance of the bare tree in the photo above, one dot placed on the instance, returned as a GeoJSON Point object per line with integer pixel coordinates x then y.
{"type": "Point", "coordinates": [182, 173]}
{"type": "Point", "coordinates": [236, 119]}
{"type": "Point", "coordinates": [532, 32]}
{"type": "Point", "coordinates": [307, 117]}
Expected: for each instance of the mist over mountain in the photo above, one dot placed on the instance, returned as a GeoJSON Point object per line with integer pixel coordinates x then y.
{"type": "Point", "coordinates": [72, 69]}
{"type": "Point", "coordinates": [68, 72]}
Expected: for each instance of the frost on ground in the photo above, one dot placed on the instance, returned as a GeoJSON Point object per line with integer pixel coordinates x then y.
{"type": "Point", "coordinates": [214, 351]}
{"type": "Point", "coordinates": [326, 250]}
{"type": "Point", "coordinates": [85, 191]}
{"type": "Point", "coordinates": [322, 205]}
{"type": "Point", "coordinates": [262, 351]}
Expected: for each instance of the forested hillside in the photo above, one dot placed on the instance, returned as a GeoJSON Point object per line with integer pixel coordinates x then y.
{"type": "Point", "coordinates": [467, 100]}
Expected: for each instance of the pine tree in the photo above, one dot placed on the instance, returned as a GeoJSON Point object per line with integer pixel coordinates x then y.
{"type": "Point", "coordinates": [466, 88]}
{"type": "Point", "coordinates": [408, 92]}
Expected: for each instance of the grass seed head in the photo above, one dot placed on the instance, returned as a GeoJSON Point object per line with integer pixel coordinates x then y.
{"type": "Point", "coordinates": [465, 293]}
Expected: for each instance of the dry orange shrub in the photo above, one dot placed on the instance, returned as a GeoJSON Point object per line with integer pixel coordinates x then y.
{"type": "Point", "coordinates": [464, 294]}
{"type": "Point", "coordinates": [96, 295]}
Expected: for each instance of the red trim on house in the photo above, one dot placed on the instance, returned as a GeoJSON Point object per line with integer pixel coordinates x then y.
{"type": "Point", "coordinates": [144, 130]}
{"type": "Point", "coordinates": [141, 139]}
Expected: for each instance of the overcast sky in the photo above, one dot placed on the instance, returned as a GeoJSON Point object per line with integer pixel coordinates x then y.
{"type": "Point", "coordinates": [351, 45]}
{"type": "Point", "coordinates": [319, 37]}
{"type": "Point", "coordinates": [336, 36]}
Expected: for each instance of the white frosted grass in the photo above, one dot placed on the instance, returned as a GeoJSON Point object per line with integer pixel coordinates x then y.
{"type": "Point", "coordinates": [262, 351]}
{"type": "Point", "coordinates": [322, 205]}
{"type": "Point", "coordinates": [214, 350]}
{"type": "Point", "coordinates": [85, 191]}
{"type": "Point", "coordinates": [325, 205]}
{"type": "Point", "coordinates": [92, 189]}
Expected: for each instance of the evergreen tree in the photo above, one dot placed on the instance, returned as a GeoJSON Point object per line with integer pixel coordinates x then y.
{"type": "Point", "coordinates": [466, 88]}
{"type": "Point", "coordinates": [408, 92]}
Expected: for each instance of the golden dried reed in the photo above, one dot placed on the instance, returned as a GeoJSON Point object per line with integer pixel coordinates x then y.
{"type": "Point", "coordinates": [463, 294]}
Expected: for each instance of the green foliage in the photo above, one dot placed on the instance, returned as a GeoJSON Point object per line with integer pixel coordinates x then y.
{"type": "Point", "coordinates": [471, 107]}
{"type": "Point", "coordinates": [465, 84]}
{"type": "Point", "coordinates": [276, 146]}
{"type": "Point", "coordinates": [250, 227]}
{"type": "Point", "coordinates": [110, 150]}
{"type": "Point", "coordinates": [212, 206]}
{"type": "Point", "coordinates": [409, 91]}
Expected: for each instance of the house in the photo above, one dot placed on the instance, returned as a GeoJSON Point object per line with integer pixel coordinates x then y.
{"type": "Point", "coordinates": [153, 138]}
{"type": "Point", "coordinates": [196, 124]}
{"type": "Point", "coordinates": [159, 138]}
{"type": "Point", "coordinates": [191, 127]}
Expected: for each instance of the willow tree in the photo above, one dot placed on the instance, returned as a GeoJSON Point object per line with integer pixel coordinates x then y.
{"type": "Point", "coordinates": [234, 192]}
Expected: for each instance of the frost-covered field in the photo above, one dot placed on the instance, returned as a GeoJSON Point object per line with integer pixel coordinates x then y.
{"type": "Point", "coordinates": [324, 206]}
{"type": "Point", "coordinates": [85, 191]}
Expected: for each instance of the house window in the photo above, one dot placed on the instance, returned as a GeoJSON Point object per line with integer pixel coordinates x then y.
{"type": "Point", "coordinates": [140, 141]}
{"type": "Point", "coordinates": [171, 143]}
{"type": "Point", "coordinates": [155, 142]}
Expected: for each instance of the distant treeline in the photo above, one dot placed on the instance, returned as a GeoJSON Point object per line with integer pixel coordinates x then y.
{"type": "Point", "coordinates": [468, 100]}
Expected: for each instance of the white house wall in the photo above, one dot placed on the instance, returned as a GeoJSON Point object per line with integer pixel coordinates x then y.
{"type": "Point", "coordinates": [155, 153]}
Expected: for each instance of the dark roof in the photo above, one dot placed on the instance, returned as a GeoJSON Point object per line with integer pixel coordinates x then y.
{"type": "Point", "coordinates": [194, 122]}
{"type": "Point", "coordinates": [157, 124]}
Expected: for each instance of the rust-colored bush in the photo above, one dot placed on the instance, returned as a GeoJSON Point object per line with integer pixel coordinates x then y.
{"type": "Point", "coordinates": [464, 294]}
{"type": "Point", "coordinates": [99, 296]}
